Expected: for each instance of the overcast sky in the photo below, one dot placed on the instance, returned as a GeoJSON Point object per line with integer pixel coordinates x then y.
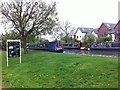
{"type": "Point", "coordinates": [86, 13]}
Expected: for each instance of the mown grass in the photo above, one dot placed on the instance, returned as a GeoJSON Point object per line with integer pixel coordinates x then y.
{"type": "Point", "coordinates": [57, 70]}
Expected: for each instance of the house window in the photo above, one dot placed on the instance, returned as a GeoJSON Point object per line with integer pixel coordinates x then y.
{"type": "Point", "coordinates": [104, 34]}
{"type": "Point", "coordinates": [118, 32]}
{"type": "Point", "coordinates": [80, 36]}
{"type": "Point", "coordinates": [77, 36]}
{"type": "Point", "coordinates": [119, 39]}
{"type": "Point", "coordinates": [74, 36]}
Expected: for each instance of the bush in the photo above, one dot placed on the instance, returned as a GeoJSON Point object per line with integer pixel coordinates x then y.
{"type": "Point", "coordinates": [104, 38]}
{"type": "Point", "coordinates": [11, 35]}
{"type": "Point", "coordinates": [88, 39]}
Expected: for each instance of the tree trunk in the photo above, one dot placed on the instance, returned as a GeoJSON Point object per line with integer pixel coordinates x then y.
{"type": "Point", "coordinates": [24, 45]}
{"type": "Point", "coordinates": [66, 38]}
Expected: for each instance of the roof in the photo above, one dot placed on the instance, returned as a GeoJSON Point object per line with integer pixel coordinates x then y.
{"type": "Point", "coordinates": [111, 32]}
{"type": "Point", "coordinates": [85, 30]}
{"type": "Point", "coordinates": [117, 24]}
{"type": "Point", "coordinates": [109, 25]}
{"type": "Point", "coordinates": [95, 30]}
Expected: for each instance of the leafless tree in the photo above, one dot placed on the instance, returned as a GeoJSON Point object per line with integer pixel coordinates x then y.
{"type": "Point", "coordinates": [29, 17]}
{"type": "Point", "coordinates": [66, 28]}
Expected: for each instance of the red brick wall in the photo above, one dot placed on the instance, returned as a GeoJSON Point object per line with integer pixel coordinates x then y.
{"type": "Point", "coordinates": [117, 28]}
{"type": "Point", "coordinates": [102, 29]}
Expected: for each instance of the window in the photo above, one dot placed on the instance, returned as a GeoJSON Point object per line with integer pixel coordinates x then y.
{"type": "Point", "coordinates": [77, 36]}
{"type": "Point", "coordinates": [118, 32]}
{"type": "Point", "coordinates": [110, 29]}
{"type": "Point", "coordinates": [70, 45]}
{"type": "Point", "coordinates": [119, 39]}
{"type": "Point", "coordinates": [74, 36]}
{"type": "Point", "coordinates": [104, 34]}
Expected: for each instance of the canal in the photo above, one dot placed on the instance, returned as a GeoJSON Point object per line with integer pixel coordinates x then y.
{"type": "Point", "coordinates": [93, 52]}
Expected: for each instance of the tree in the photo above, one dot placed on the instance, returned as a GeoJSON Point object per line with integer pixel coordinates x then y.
{"type": "Point", "coordinates": [88, 39]}
{"type": "Point", "coordinates": [66, 28]}
{"type": "Point", "coordinates": [29, 17]}
{"type": "Point", "coordinates": [57, 34]}
{"type": "Point", "coordinates": [10, 35]}
{"type": "Point", "coordinates": [32, 39]}
{"type": "Point", "coordinates": [105, 38]}
{"type": "Point", "coordinates": [70, 39]}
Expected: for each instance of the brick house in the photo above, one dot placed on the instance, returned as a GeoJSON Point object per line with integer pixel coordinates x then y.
{"type": "Point", "coordinates": [117, 32]}
{"type": "Point", "coordinates": [106, 29]}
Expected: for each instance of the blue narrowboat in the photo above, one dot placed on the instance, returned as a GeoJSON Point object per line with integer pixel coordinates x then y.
{"type": "Point", "coordinates": [54, 46]}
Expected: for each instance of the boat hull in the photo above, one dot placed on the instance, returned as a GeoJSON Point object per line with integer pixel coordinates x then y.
{"type": "Point", "coordinates": [108, 49]}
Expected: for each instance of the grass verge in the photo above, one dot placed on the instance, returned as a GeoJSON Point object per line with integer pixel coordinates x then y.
{"type": "Point", "coordinates": [57, 70]}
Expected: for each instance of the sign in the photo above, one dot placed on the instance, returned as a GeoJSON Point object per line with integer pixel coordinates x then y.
{"type": "Point", "coordinates": [13, 49]}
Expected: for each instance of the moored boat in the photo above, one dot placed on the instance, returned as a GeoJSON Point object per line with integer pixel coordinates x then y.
{"type": "Point", "coordinates": [54, 46]}
{"type": "Point", "coordinates": [114, 46]}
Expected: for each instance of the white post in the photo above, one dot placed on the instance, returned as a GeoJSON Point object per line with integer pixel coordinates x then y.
{"type": "Point", "coordinates": [20, 52]}
{"type": "Point", "coordinates": [7, 51]}
{"type": "Point", "coordinates": [0, 64]}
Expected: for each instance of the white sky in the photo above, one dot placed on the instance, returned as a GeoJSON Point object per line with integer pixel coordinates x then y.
{"type": "Point", "coordinates": [86, 13]}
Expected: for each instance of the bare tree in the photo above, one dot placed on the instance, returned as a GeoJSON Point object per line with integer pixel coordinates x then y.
{"type": "Point", "coordinates": [29, 17]}
{"type": "Point", "coordinates": [57, 34]}
{"type": "Point", "coordinates": [66, 28]}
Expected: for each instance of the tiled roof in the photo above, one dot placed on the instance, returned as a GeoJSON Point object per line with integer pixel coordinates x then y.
{"type": "Point", "coordinates": [109, 25]}
{"type": "Point", "coordinates": [95, 30]}
{"type": "Point", "coordinates": [85, 30]}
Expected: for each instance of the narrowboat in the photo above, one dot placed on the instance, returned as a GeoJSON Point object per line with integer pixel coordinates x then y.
{"type": "Point", "coordinates": [74, 45]}
{"type": "Point", "coordinates": [54, 46]}
{"type": "Point", "coordinates": [111, 46]}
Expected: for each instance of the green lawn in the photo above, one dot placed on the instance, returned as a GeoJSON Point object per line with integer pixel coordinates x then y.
{"type": "Point", "coordinates": [57, 70]}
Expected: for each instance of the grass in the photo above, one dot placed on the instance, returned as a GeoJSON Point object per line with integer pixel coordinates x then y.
{"type": "Point", "coordinates": [57, 70]}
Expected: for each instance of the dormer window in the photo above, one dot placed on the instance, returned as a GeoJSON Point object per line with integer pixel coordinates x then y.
{"type": "Point", "coordinates": [108, 25]}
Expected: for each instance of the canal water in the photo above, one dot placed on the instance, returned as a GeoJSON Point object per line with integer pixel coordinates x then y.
{"type": "Point", "coordinates": [93, 52]}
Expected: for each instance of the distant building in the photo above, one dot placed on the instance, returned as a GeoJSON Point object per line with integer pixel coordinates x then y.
{"type": "Point", "coordinates": [81, 32]}
{"type": "Point", "coordinates": [106, 29]}
{"type": "Point", "coordinates": [117, 32]}
{"type": "Point", "coordinates": [95, 32]}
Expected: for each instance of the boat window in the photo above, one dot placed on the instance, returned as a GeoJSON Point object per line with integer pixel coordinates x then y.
{"type": "Point", "coordinates": [70, 44]}
{"type": "Point", "coordinates": [66, 45]}
{"type": "Point", "coordinates": [75, 45]}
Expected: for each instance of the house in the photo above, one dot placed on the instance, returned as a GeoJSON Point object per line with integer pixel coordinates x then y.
{"type": "Point", "coordinates": [81, 32]}
{"type": "Point", "coordinates": [95, 32]}
{"type": "Point", "coordinates": [106, 29]}
{"type": "Point", "coordinates": [117, 32]}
